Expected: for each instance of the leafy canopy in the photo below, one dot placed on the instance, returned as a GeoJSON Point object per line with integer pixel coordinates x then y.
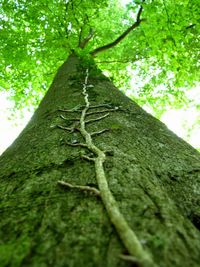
{"type": "Point", "coordinates": [159, 59]}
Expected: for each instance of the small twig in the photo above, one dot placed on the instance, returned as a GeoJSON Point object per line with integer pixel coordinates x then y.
{"type": "Point", "coordinates": [81, 187]}
{"type": "Point", "coordinates": [70, 110]}
{"type": "Point", "coordinates": [71, 129]}
{"type": "Point", "coordinates": [102, 111]}
{"type": "Point", "coordinates": [99, 106]}
{"type": "Point", "coordinates": [129, 258]}
{"type": "Point", "coordinates": [100, 132]}
{"type": "Point", "coordinates": [76, 144]}
{"type": "Point", "coordinates": [87, 158]}
{"type": "Point", "coordinates": [64, 118]}
{"type": "Point", "coordinates": [97, 119]}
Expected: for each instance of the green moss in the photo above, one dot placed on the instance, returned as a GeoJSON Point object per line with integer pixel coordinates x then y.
{"type": "Point", "coordinates": [13, 252]}
{"type": "Point", "coordinates": [156, 186]}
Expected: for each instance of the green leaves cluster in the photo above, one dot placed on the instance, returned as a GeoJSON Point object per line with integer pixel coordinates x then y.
{"type": "Point", "coordinates": [37, 36]}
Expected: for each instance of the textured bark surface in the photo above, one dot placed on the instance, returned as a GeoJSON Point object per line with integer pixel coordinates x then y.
{"type": "Point", "coordinates": [153, 174]}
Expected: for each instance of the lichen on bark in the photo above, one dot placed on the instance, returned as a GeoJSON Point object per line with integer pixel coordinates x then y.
{"type": "Point", "coordinates": [153, 174]}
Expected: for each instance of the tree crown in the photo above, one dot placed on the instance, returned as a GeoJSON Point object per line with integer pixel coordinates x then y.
{"type": "Point", "coordinates": [162, 49]}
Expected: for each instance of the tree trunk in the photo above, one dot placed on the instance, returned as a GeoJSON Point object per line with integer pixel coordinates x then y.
{"type": "Point", "coordinates": [153, 174]}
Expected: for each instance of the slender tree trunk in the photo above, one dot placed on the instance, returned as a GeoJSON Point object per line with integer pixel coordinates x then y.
{"type": "Point", "coordinates": [153, 175]}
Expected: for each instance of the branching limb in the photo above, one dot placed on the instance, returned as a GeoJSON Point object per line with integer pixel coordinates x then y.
{"type": "Point", "coordinates": [121, 37]}
{"type": "Point", "coordinates": [81, 187]}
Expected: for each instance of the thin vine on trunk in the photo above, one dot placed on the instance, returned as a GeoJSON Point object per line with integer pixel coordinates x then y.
{"type": "Point", "coordinates": [126, 234]}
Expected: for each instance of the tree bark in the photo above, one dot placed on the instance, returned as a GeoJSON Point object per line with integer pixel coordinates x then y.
{"type": "Point", "coordinates": [153, 174]}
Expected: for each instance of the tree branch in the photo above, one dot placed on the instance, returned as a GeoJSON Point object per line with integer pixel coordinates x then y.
{"type": "Point", "coordinates": [121, 37]}
{"type": "Point", "coordinates": [81, 187]}
{"type": "Point", "coordinates": [84, 42]}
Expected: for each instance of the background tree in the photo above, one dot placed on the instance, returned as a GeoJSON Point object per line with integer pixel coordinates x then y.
{"type": "Point", "coordinates": [153, 176]}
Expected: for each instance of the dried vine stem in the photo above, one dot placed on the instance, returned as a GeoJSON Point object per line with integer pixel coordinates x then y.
{"type": "Point", "coordinates": [126, 234]}
{"type": "Point", "coordinates": [81, 187]}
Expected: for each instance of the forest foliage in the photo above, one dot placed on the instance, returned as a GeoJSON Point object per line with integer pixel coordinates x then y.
{"type": "Point", "coordinates": [155, 64]}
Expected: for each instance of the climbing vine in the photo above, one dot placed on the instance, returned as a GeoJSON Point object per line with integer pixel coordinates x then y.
{"type": "Point", "coordinates": [126, 234]}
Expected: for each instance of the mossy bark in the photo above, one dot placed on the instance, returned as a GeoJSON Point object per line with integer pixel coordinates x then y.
{"type": "Point", "coordinates": [153, 174]}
